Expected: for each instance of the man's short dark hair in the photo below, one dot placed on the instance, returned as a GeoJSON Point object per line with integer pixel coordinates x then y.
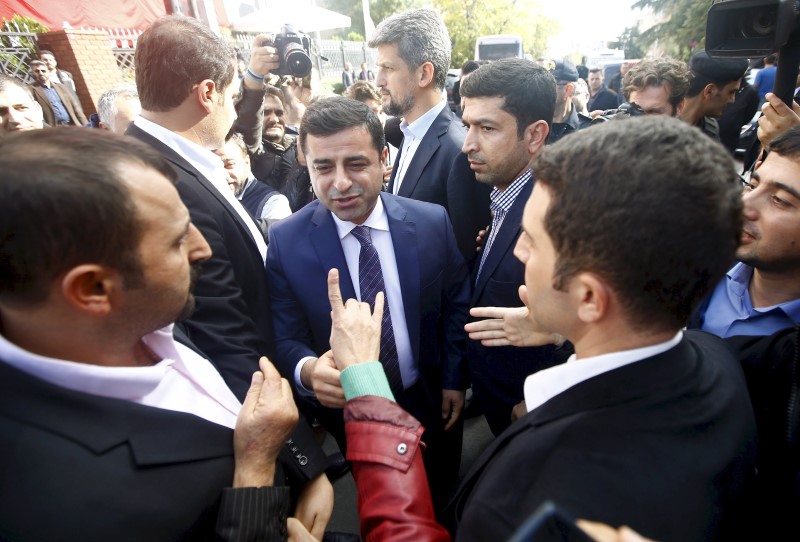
{"type": "Point", "coordinates": [787, 144]}
{"type": "Point", "coordinates": [237, 139]}
{"type": "Point", "coordinates": [275, 92]}
{"type": "Point", "coordinates": [328, 116]}
{"type": "Point", "coordinates": [651, 205]}
{"type": "Point", "coordinates": [38, 63]}
{"type": "Point", "coordinates": [46, 52]}
{"type": "Point", "coordinates": [529, 90]}
{"type": "Point", "coordinates": [655, 73]}
{"type": "Point", "coordinates": [469, 66]}
{"type": "Point", "coordinates": [175, 54]}
{"type": "Point", "coordinates": [59, 209]}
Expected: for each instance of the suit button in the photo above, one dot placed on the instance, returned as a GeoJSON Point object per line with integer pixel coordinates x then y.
{"type": "Point", "coordinates": [402, 448]}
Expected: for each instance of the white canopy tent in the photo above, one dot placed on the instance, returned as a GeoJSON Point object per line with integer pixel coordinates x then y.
{"type": "Point", "coordinates": [301, 14]}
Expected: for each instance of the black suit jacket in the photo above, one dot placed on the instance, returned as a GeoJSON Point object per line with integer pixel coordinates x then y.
{"type": "Point", "coordinates": [70, 101]}
{"type": "Point", "coordinates": [231, 325]}
{"type": "Point", "coordinates": [77, 466]}
{"type": "Point", "coordinates": [498, 373]}
{"type": "Point", "coordinates": [666, 445]}
{"type": "Point", "coordinates": [440, 173]}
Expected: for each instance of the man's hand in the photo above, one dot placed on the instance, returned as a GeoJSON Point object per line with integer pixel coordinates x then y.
{"type": "Point", "coordinates": [298, 532]}
{"type": "Point", "coordinates": [265, 421]}
{"type": "Point", "coordinates": [480, 239]}
{"type": "Point", "coordinates": [777, 118]}
{"type": "Point", "coordinates": [315, 505]}
{"type": "Point", "coordinates": [509, 326]}
{"type": "Point", "coordinates": [452, 406]}
{"type": "Point", "coordinates": [355, 329]}
{"type": "Point", "coordinates": [322, 376]}
{"type": "Point", "coordinates": [263, 59]}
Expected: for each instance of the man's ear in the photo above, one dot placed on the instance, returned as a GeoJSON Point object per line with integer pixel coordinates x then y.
{"type": "Point", "coordinates": [91, 288]}
{"type": "Point", "coordinates": [592, 297]}
{"type": "Point", "coordinates": [426, 74]}
{"type": "Point", "coordinates": [536, 136]}
{"type": "Point", "coordinates": [710, 90]}
{"type": "Point", "coordinates": [206, 94]}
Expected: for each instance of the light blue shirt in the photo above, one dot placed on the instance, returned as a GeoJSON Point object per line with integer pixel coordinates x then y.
{"type": "Point", "coordinates": [730, 310]}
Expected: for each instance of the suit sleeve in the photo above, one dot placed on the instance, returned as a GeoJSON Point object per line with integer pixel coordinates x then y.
{"type": "Point", "coordinates": [293, 335]}
{"type": "Point", "coordinates": [456, 294]}
{"type": "Point", "coordinates": [251, 118]}
{"type": "Point", "coordinates": [253, 514]}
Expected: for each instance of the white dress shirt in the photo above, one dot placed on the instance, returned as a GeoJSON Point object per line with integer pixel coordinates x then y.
{"type": "Point", "coordinates": [378, 222]}
{"type": "Point", "coordinates": [412, 137]}
{"type": "Point", "coordinates": [543, 385]}
{"type": "Point", "coordinates": [182, 381]}
{"type": "Point", "coordinates": [211, 167]}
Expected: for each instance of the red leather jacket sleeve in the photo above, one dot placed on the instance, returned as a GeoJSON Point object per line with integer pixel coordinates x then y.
{"type": "Point", "coordinates": [383, 444]}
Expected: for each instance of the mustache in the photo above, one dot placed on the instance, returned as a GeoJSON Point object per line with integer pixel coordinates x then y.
{"type": "Point", "coordinates": [195, 272]}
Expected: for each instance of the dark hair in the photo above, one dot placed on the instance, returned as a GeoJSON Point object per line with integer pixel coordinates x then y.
{"type": "Point", "coordinates": [469, 66]}
{"type": "Point", "coordinates": [46, 52]}
{"type": "Point", "coordinates": [771, 59]}
{"type": "Point", "coordinates": [660, 213]}
{"type": "Point", "coordinates": [363, 91]}
{"type": "Point", "coordinates": [237, 139]}
{"type": "Point", "coordinates": [698, 81]}
{"type": "Point", "coordinates": [59, 209]}
{"type": "Point", "coordinates": [175, 54]}
{"type": "Point", "coordinates": [529, 90]}
{"type": "Point", "coordinates": [35, 63]}
{"type": "Point", "coordinates": [787, 144]}
{"type": "Point", "coordinates": [275, 92]}
{"type": "Point", "coordinates": [656, 73]}
{"type": "Point", "coordinates": [328, 116]}
{"type": "Point", "coordinates": [596, 70]}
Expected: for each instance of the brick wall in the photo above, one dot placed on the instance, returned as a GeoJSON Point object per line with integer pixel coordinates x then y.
{"type": "Point", "coordinates": [88, 56]}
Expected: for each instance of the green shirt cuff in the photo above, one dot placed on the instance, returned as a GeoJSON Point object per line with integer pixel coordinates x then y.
{"type": "Point", "coordinates": [365, 379]}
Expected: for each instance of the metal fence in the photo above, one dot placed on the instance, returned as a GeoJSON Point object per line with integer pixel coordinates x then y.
{"type": "Point", "coordinates": [17, 49]}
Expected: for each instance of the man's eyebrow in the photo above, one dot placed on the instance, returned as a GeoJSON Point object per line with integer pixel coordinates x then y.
{"type": "Point", "coordinates": [755, 175]}
{"type": "Point", "coordinates": [792, 190]}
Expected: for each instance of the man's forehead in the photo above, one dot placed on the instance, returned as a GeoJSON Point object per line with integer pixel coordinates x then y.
{"type": "Point", "coordinates": [13, 95]}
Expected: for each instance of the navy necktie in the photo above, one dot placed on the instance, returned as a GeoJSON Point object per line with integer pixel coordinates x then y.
{"type": "Point", "coordinates": [370, 278]}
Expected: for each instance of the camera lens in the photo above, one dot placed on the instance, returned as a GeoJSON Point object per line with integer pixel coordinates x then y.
{"type": "Point", "coordinates": [297, 62]}
{"type": "Point", "coordinates": [761, 23]}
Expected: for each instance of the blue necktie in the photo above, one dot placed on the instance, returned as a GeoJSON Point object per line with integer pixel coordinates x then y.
{"type": "Point", "coordinates": [370, 278]}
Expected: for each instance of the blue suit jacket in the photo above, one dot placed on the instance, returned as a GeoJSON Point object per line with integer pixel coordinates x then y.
{"type": "Point", "coordinates": [433, 281]}
{"type": "Point", "coordinates": [439, 173]}
{"type": "Point", "coordinates": [498, 373]}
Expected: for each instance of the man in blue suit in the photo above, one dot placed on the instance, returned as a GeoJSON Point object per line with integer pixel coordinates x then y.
{"type": "Point", "coordinates": [507, 107]}
{"type": "Point", "coordinates": [355, 228]}
{"type": "Point", "coordinates": [413, 57]}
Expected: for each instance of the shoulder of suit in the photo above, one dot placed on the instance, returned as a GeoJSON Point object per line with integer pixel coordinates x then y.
{"type": "Point", "coordinates": [413, 205]}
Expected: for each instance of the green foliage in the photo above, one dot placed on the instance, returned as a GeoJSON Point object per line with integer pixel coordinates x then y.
{"type": "Point", "coordinates": [629, 41]}
{"type": "Point", "coordinates": [17, 51]}
{"type": "Point", "coordinates": [466, 20]}
{"type": "Point", "coordinates": [683, 31]}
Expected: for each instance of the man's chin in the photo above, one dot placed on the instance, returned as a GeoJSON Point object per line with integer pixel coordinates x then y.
{"type": "Point", "coordinates": [187, 310]}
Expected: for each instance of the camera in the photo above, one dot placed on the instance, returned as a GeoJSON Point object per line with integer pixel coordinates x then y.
{"type": "Point", "coordinates": [624, 111]}
{"type": "Point", "coordinates": [294, 52]}
{"type": "Point", "coordinates": [750, 28]}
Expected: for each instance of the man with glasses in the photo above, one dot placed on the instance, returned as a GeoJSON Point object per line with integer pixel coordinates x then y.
{"type": "Point", "coordinates": [566, 118]}
{"type": "Point", "coordinates": [59, 106]}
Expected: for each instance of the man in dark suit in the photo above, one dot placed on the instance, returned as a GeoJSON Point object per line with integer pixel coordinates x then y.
{"type": "Point", "coordinates": [646, 425]}
{"type": "Point", "coordinates": [109, 429]}
{"type": "Point", "coordinates": [600, 97]}
{"type": "Point", "coordinates": [185, 121]}
{"type": "Point", "coordinates": [413, 57]}
{"type": "Point", "coordinates": [59, 105]}
{"type": "Point", "coordinates": [507, 107]}
{"type": "Point", "coordinates": [353, 227]}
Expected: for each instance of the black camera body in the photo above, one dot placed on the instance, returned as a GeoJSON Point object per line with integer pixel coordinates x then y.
{"type": "Point", "coordinates": [294, 52]}
{"type": "Point", "coordinates": [750, 28]}
{"type": "Point", "coordinates": [624, 111]}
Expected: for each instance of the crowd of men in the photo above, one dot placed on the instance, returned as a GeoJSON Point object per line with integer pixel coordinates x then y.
{"type": "Point", "coordinates": [188, 292]}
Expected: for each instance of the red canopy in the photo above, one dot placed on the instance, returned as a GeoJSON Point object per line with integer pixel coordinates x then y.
{"type": "Point", "coordinates": [87, 13]}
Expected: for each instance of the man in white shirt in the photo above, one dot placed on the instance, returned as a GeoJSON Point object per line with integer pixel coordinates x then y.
{"type": "Point", "coordinates": [413, 58]}
{"type": "Point", "coordinates": [109, 429]}
{"type": "Point", "coordinates": [187, 110]}
{"type": "Point", "coordinates": [645, 425]}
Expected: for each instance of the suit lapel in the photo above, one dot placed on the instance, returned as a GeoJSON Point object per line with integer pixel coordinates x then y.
{"type": "Point", "coordinates": [325, 240]}
{"type": "Point", "coordinates": [180, 162]}
{"type": "Point", "coordinates": [425, 151]}
{"type": "Point", "coordinates": [506, 237]}
{"type": "Point", "coordinates": [406, 253]}
{"type": "Point", "coordinates": [155, 436]}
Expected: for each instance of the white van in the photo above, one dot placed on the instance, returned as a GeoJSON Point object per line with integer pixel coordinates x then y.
{"type": "Point", "coordinates": [498, 46]}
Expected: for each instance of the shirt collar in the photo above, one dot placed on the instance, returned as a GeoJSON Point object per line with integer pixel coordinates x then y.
{"type": "Point", "coordinates": [206, 162]}
{"type": "Point", "coordinates": [543, 385]}
{"type": "Point", "coordinates": [420, 127]}
{"type": "Point", "coordinates": [502, 201]}
{"type": "Point", "coordinates": [377, 220]}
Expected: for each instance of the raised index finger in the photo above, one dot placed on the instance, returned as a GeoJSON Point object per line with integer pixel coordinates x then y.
{"type": "Point", "coordinates": [334, 293]}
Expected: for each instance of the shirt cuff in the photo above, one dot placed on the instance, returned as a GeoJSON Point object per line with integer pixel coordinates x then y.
{"type": "Point", "coordinates": [365, 379]}
{"type": "Point", "coordinates": [301, 389]}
